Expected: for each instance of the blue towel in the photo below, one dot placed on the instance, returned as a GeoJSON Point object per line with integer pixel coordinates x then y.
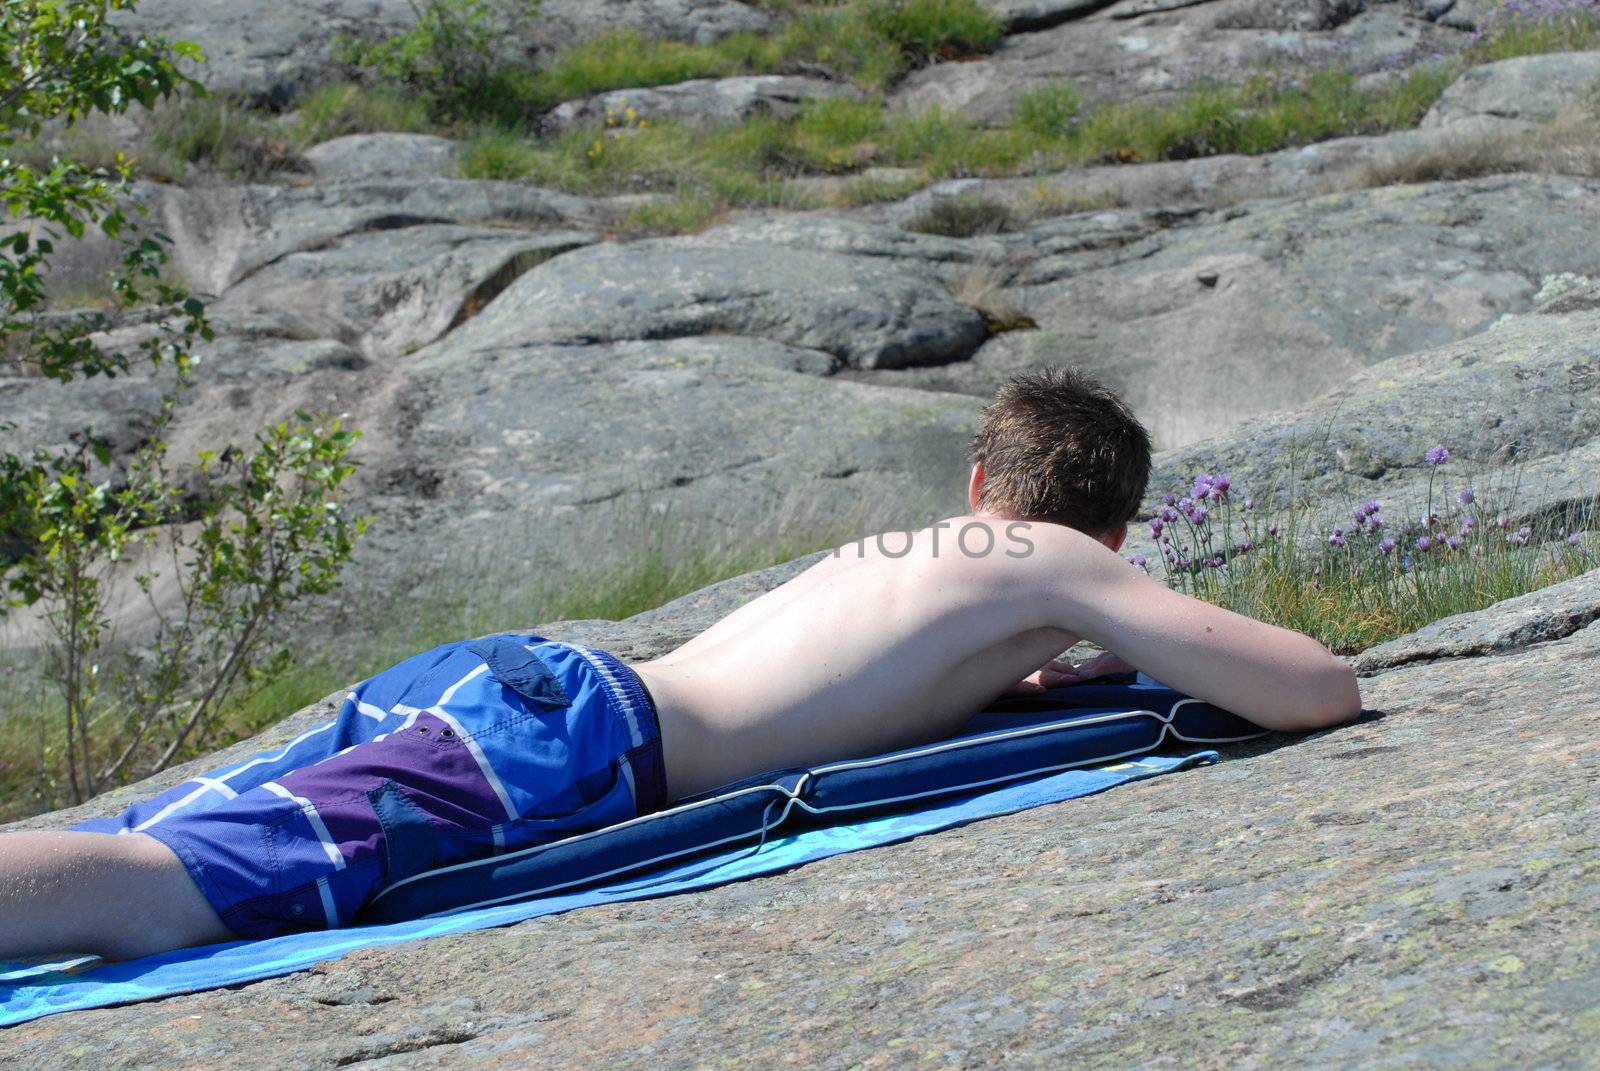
{"type": "Point", "coordinates": [29, 991]}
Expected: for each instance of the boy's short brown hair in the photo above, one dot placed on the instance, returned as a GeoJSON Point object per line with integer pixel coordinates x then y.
{"type": "Point", "coordinates": [1058, 446]}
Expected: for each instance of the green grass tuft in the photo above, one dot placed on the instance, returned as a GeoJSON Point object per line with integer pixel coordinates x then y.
{"type": "Point", "coordinates": [1563, 27]}
{"type": "Point", "coordinates": [963, 216]}
{"type": "Point", "coordinates": [332, 111]}
{"type": "Point", "coordinates": [223, 137]}
{"type": "Point", "coordinates": [1353, 586]}
{"type": "Point", "coordinates": [922, 29]}
{"type": "Point", "coordinates": [746, 164]}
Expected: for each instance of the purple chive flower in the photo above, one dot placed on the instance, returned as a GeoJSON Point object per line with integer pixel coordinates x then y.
{"type": "Point", "coordinates": [1135, 560]}
{"type": "Point", "coordinates": [1249, 503]}
{"type": "Point", "coordinates": [1468, 523]}
{"type": "Point", "coordinates": [1521, 536]}
{"type": "Point", "coordinates": [1156, 524]}
{"type": "Point", "coordinates": [1453, 542]}
{"type": "Point", "coordinates": [1405, 528]}
{"type": "Point", "coordinates": [1169, 515]}
{"type": "Point", "coordinates": [1168, 499]}
{"type": "Point", "coordinates": [1337, 538]}
{"type": "Point", "coordinates": [1202, 487]}
{"type": "Point", "coordinates": [1424, 544]}
{"type": "Point", "coordinates": [1198, 515]}
{"type": "Point", "coordinates": [1386, 545]}
{"type": "Point", "coordinates": [1272, 529]}
{"type": "Point", "coordinates": [1502, 522]}
{"type": "Point", "coordinates": [1464, 496]}
{"type": "Point", "coordinates": [1575, 539]}
{"type": "Point", "coordinates": [1438, 455]}
{"type": "Point", "coordinates": [1247, 546]}
{"type": "Point", "coordinates": [1204, 537]}
{"type": "Point", "coordinates": [1219, 488]}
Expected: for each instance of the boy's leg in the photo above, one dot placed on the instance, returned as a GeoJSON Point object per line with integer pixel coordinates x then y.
{"type": "Point", "coordinates": [115, 896]}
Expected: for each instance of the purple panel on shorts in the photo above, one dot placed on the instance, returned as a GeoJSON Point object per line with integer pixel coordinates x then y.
{"type": "Point", "coordinates": [437, 770]}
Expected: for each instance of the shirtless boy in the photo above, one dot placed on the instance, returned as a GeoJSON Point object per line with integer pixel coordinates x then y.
{"type": "Point", "coordinates": [481, 747]}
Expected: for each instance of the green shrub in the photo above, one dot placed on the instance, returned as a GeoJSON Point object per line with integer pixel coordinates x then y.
{"type": "Point", "coordinates": [451, 58]}
{"type": "Point", "coordinates": [925, 28]}
{"type": "Point", "coordinates": [839, 40]}
{"type": "Point", "coordinates": [242, 537]}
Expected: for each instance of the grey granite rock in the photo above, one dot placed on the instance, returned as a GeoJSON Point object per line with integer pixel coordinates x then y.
{"type": "Point", "coordinates": [1161, 53]}
{"type": "Point", "coordinates": [224, 233]}
{"type": "Point", "coordinates": [390, 292]}
{"type": "Point", "coordinates": [1204, 319]}
{"type": "Point", "coordinates": [1581, 298]}
{"type": "Point", "coordinates": [1315, 170]}
{"type": "Point", "coordinates": [1547, 614]}
{"type": "Point", "coordinates": [701, 21]}
{"type": "Point", "coordinates": [701, 101]}
{"type": "Point", "coordinates": [866, 312]}
{"type": "Point", "coordinates": [1531, 88]}
{"type": "Point", "coordinates": [1521, 393]}
{"type": "Point", "coordinates": [1028, 16]}
{"type": "Point", "coordinates": [273, 52]}
{"type": "Point", "coordinates": [367, 155]}
{"type": "Point", "coordinates": [832, 234]}
{"type": "Point", "coordinates": [720, 426]}
{"type": "Point", "coordinates": [1414, 890]}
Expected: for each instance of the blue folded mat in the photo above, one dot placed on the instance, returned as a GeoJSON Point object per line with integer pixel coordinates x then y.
{"type": "Point", "coordinates": [1018, 754]}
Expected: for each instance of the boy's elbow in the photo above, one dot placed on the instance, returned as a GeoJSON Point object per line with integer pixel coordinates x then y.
{"type": "Point", "coordinates": [1332, 699]}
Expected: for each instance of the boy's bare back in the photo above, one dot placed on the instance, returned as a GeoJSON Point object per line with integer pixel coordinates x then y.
{"type": "Point", "coordinates": [900, 639]}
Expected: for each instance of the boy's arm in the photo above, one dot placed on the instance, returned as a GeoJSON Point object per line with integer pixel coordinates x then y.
{"type": "Point", "coordinates": [1275, 677]}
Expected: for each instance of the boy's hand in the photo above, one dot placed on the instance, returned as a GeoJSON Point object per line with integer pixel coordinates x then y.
{"type": "Point", "coordinates": [1058, 673]}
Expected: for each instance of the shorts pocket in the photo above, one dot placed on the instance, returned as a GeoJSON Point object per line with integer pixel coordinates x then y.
{"type": "Point", "coordinates": [606, 802]}
{"type": "Point", "coordinates": [410, 838]}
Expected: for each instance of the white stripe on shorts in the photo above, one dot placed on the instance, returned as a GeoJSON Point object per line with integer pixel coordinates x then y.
{"type": "Point", "coordinates": [335, 856]}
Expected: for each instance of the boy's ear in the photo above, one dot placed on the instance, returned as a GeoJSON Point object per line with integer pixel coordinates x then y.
{"type": "Point", "coordinates": [1114, 539]}
{"type": "Point", "coordinates": [975, 485]}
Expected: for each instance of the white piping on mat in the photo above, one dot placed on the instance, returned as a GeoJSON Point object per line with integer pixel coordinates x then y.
{"type": "Point", "coordinates": [793, 798]}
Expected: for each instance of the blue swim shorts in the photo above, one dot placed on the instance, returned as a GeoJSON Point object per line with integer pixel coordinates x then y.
{"type": "Point", "coordinates": [462, 752]}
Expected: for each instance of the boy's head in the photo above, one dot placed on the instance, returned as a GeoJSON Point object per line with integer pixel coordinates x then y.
{"type": "Point", "coordinates": [1057, 446]}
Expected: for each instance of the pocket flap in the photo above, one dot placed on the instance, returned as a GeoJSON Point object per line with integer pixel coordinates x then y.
{"type": "Point", "coordinates": [519, 669]}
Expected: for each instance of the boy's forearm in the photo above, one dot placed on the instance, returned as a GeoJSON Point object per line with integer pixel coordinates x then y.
{"type": "Point", "coordinates": [1275, 677]}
